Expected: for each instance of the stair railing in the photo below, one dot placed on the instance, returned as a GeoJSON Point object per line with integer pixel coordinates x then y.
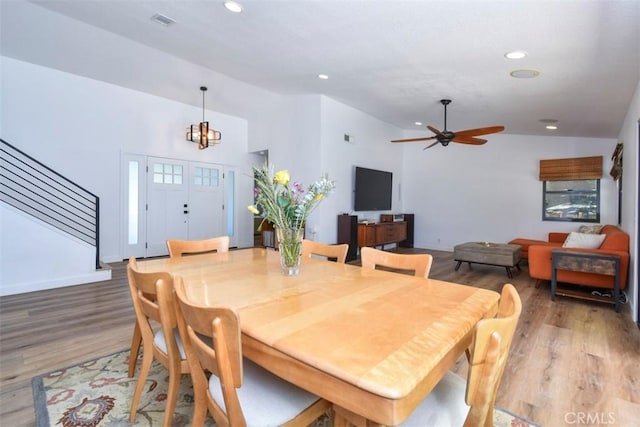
{"type": "Point", "coordinates": [37, 190]}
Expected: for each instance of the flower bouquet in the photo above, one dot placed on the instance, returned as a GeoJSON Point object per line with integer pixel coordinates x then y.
{"type": "Point", "coordinates": [287, 206]}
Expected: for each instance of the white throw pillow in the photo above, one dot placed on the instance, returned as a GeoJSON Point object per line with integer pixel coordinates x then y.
{"type": "Point", "coordinates": [583, 240]}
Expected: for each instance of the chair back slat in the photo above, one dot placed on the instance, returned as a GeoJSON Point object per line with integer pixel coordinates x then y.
{"type": "Point", "coordinates": [337, 252]}
{"type": "Point", "coordinates": [178, 248]}
{"type": "Point", "coordinates": [420, 264]}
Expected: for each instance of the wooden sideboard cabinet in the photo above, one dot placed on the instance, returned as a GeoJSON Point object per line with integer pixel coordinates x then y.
{"type": "Point", "coordinates": [348, 233]}
{"type": "Point", "coordinates": [381, 233]}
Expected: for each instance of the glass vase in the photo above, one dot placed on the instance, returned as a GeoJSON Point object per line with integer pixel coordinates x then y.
{"type": "Point", "coordinates": [290, 247]}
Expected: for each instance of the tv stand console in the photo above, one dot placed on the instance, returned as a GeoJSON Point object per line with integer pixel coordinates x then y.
{"type": "Point", "coordinates": [358, 235]}
{"type": "Point", "coordinates": [382, 233]}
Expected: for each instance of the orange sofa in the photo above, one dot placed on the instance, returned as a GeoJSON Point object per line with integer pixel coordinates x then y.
{"type": "Point", "coordinates": [538, 253]}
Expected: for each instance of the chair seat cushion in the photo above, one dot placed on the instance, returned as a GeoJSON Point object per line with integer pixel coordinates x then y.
{"type": "Point", "coordinates": [444, 406]}
{"type": "Point", "coordinates": [159, 341]}
{"type": "Point", "coordinates": [266, 400]}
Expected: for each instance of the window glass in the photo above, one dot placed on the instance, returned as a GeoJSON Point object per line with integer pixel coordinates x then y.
{"type": "Point", "coordinates": [577, 200]}
{"type": "Point", "coordinates": [167, 173]}
{"type": "Point", "coordinates": [206, 176]}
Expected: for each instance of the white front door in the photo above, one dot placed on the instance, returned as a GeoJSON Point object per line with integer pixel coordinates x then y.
{"type": "Point", "coordinates": [167, 203]}
{"type": "Point", "coordinates": [206, 201]}
{"type": "Point", "coordinates": [172, 199]}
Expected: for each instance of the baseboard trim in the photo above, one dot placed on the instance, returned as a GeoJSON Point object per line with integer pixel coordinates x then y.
{"type": "Point", "coordinates": [104, 273]}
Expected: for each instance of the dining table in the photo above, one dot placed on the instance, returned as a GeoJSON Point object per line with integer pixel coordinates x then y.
{"type": "Point", "coordinates": [372, 342]}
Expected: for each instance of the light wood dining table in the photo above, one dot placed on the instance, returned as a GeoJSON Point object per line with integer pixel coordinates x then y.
{"type": "Point", "coordinates": [373, 342]}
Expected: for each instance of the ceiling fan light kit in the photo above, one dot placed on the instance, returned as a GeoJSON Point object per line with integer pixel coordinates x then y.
{"type": "Point", "coordinates": [444, 137]}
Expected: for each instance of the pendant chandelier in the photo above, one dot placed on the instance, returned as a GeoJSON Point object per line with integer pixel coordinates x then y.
{"type": "Point", "coordinates": [201, 133]}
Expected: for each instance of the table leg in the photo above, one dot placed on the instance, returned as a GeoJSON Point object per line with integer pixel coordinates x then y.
{"type": "Point", "coordinates": [616, 286]}
{"type": "Point", "coordinates": [509, 275]}
{"type": "Point", "coordinates": [457, 266]}
{"type": "Point", "coordinates": [554, 283]}
{"type": "Point", "coordinates": [344, 418]}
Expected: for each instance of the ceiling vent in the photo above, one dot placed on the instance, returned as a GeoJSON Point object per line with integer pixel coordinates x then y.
{"type": "Point", "coordinates": [163, 19]}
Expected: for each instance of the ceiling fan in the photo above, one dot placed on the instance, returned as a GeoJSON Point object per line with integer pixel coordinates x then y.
{"type": "Point", "coordinates": [446, 136]}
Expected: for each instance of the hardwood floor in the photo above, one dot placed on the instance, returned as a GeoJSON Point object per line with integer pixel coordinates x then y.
{"type": "Point", "coordinates": [572, 362]}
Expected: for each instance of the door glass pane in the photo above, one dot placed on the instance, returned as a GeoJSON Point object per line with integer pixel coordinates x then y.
{"type": "Point", "coordinates": [230, 201]}
{"type": "Point", "coordinates": [158, 176]}
{"type": "Point", "coordinates": [177, 174]}
{"type": "Point", "coordinates": [132, 214]}
{"type": "Point", "coordinates": [215, 178]}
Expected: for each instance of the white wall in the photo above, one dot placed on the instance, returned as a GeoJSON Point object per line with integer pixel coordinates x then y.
{"type": "Point", "coordinates": [370, 149]}
{"type": "Point", "coordinates": [28, 265]}
{"type": "Point", "coordinates": [62, 43]}
{"type": "Point", "coordinates": [83, 125]}
{"type": "Point", "coordinates": [631, 178]}
{"type": "Point", "coordinates": [463, 193]}
{"type": "Point", "coordinates": [458, 193]}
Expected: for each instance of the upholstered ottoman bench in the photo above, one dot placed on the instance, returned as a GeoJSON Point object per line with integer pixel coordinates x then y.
{"type": "Point", "coordinates": [499, 254]}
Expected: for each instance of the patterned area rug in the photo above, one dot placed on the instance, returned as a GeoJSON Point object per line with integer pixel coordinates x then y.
{"type": "Point", "coordinates": [98, 393]}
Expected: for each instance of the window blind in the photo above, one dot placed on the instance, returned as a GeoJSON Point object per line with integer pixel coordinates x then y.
{"type": "Point", "coordinates": [571, 169]}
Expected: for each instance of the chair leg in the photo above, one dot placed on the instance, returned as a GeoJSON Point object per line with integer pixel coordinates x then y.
{"type": "Point", "coordinates": [136, 340]}
{"type": "Point", "coordinates": [147, 359]}
{"type": "Point", "coordinates": [172, 395]}
{"type": "Point", "coordinates": [199, 413]}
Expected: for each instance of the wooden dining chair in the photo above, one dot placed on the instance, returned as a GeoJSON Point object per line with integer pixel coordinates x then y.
{"type": "Point", "coordinates": [238, 391]}
{"type": "Point", "coordinates": [456, 402]}
{"type": "Point", "coordinates": [339, 252]}
{"type": "Point", "coordinates": [420, 264]}
{"type": "Point", "coordinates": [178, 248]}
{"type": "Point", "coordinates": [152, 296]}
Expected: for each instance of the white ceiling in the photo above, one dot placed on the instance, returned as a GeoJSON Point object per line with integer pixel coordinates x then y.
{"type": "Point", "coordinates": [396, 59]}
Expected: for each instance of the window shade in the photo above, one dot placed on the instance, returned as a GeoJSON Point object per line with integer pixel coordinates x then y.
{"type": "Point", "coordinates": [571, 169]}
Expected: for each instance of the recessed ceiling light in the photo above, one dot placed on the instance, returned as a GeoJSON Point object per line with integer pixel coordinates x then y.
{"type": "Point", "coordinates": [524, 74]}
{"type": "Point", "coordinates": [163, 19]}
{"type": "Point", "coordinates": [233, 6]}
{"type": "Point", "coordinates": [515, 54]}
{"type": "Point", "coordinates": [418, 123]}
{"type": "Point", "coordinates": [323, 76]}
{"type": "Point", "coordinates": [551, 127]}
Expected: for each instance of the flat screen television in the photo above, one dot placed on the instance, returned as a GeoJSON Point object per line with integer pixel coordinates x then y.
{"type": "Point", "coordinates": [372, 190]}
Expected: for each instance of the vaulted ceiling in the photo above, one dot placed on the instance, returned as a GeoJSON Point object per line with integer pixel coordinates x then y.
{"type": "Point", "coordinates": [396, 59]}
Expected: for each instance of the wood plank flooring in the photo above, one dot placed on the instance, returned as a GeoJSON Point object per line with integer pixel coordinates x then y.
{"type": "Point", "coordinates": [572, 362]}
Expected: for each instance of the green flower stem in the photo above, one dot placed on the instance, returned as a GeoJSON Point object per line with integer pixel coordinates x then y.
{"type": "Point", "coordinates": [290, 245]}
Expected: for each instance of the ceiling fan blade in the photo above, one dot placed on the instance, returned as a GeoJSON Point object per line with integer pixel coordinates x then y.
{"type": "Point", "coordinates": [413, 139]}
{"type": "Point", "coordinates": [468, 140]}
{"type": "Point", "coordinates": [480, 131]}
{"type": "Point", "coordinates": [434, 130]}
{"type": "Point", "coordinates": [431, 145]}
